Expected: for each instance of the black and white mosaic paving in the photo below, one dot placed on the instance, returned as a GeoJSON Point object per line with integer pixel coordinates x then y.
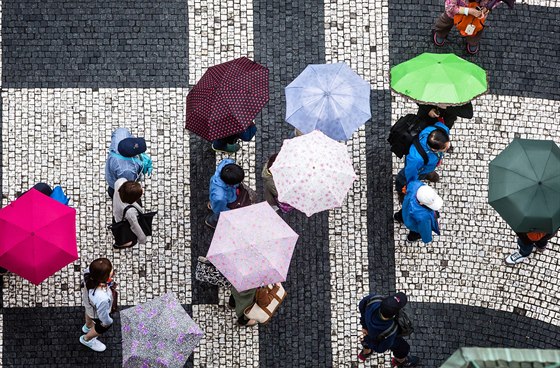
{"type": "Point", "coordinates": [74, 71]}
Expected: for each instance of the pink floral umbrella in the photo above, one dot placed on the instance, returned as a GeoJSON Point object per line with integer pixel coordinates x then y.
{"type": "Point", "coordinates": [252, 246]}
{"type": "Point", "coordinates": [313, 173]}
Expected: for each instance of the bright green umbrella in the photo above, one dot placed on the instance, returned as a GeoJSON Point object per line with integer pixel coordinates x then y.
{"type": "Point", "coordinates": [439, 79]}
{"type": "Point", "coordinates": [524, 185]}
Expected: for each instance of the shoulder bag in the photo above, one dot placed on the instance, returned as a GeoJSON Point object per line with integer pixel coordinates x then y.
{"type": "Point", "coordinates": [123, 233]}
{"type": "Point", "coordinates": [267, 301]}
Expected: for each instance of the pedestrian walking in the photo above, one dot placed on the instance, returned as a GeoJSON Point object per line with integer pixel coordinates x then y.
{"type": "Point", "coordinates": [230, 145]}
{"type": "Point", "coordinates": [270, 192]}
{"type": "Point", "coordinates": [124, 161]}
{"type": "Point", "coordinates": [434, 141]}
{"type": "Point", "coordinates": [419, 211]}
{"type": "Point", "coordinates": [433, 113]}
{"type": "Point", "coordinates": [223, 189]}
{"type": "Point", "coordinates": [445, 22]}
{"type": "Point", "coordinates": [527, 243]}
{"type": "Point", "coordinates": [239, 301]}
{"type": "Point", "coordinates": [377, 317]}
{"type": "Point", "coordinates": [97, 298]}
{"type": "Point", "coordinates": [129, 194]}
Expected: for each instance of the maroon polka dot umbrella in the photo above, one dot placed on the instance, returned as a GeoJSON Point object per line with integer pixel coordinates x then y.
{"type": "Point", "coordinates": [227, 98]}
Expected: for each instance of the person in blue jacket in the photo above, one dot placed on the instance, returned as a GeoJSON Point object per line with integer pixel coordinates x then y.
{"type": "Point", "coordinates": [435, 142]}
{"type": "Point", "coordinates": [223, 189]}
{"type": "Point", "coordinates": [377, 315]}
{"type": "Point", "coordinates": [419, 211]}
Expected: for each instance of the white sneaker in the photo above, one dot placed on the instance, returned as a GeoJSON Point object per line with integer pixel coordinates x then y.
{"type": "Point", "coordinates": [93, 344]}
{"type": "Point", "coordinates": [85, 329]}
{"type": "Point", "coordinates": [515, 258]}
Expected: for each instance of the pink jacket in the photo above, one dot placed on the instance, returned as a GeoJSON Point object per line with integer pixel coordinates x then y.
{"type": "Point", "coordinates": [452, 6]}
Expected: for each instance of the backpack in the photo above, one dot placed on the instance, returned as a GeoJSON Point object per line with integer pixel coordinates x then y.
{"type": "Point", "coordinates": [405, 134]}
{"type": "Point", "coordinates": [402, 325]}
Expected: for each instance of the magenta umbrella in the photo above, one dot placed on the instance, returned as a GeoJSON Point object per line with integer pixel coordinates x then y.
{"type": "Point", "coordinates": [37, 236]}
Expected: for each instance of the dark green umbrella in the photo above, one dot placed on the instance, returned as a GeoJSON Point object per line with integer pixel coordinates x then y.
{"type": "Point", "coordinates": [524, 185]}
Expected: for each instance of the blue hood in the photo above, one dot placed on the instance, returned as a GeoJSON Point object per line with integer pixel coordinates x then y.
{"type": "Point", "coordinates": [117, 136]}
{"type": "Point", "coordinates": [221, 193]}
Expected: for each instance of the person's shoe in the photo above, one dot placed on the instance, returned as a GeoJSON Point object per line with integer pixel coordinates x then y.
{"type": "Point", "coordinates": [85, 329]}
{"type": "Point", "coordinates": [438, 41]}
{"type": "Point", "coordinates": [413, 236]}
{"type": "Point", "coordinates": [410, 361]}
{"type": "Point", "coordinates": [514, 258]}
{"type": "Point", "coordinates": [230, 148]}
{"type": "Point", "coordinates": [400, 197]}
{"type": "Point", "coordinates": [398, 216]}
{"type": "Point", "coordinates": [208, 223]}
{"type": "Point", "coordinates": [231, 302]}
{"type": "Point", "coordinates": [93, 344]}
{"type": "Point", "coordinates": [433, 177]}
{"type": "Point", "coordinates": [473, 50]}
{"type": "Point", "coordinates": [363, 356]}
{"type": "Point", "coordinates": [541, 249]}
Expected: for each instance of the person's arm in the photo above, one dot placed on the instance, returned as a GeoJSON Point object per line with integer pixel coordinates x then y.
{"type": "Point", "coordinates": [103, 310]}
{"type": "Point", "coordinates": [463, 111]}
{"type": "Point", "coordinates": [412, 165]}
{"type": "Point", "coordinates": [425, 230]}
{"type": "Point", "coordinates": [132, 217]}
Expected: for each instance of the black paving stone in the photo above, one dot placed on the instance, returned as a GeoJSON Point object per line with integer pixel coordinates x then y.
{"type": "Point", "coordinates": [440, 329]}
{"type": "Point", "coordinates": [288, 36]}
{"type": "Point", "coordinates": [519, 49]}
{"type": "Point", "coordinates": [202, 167]}
{"type": "Point", "coordinates": [49, 337]}
{"type": "Point", "coordinates": [62, 44]}
{"type": "Point", "coordinates": [381, 245]}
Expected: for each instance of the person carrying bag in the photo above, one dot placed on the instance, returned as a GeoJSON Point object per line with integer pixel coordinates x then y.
{"type": "Point", "coordinates": [131, 224]}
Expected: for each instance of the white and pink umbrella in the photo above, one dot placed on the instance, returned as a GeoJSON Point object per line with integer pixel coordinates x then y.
{"type": "Point", "coordinates": [313, 173]}
{"type": "Point", "coordinates": [252, 246]}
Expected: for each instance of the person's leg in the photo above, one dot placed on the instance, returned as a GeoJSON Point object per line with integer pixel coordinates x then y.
{"type": "Point", "coordinates": [441, 28]}
{"type": "Point", "coordinates": [212, 220]}
{"type": "Point", "coordinates": [219, 144]}
{"type": "Point", "coordinates": [400, 182]}
{"type": "Point", "coordinates": [248, 133]}
{"type": "Point", "coordinates": [413, 236]}
{"type": "Point", "coordinates": [541, 244]}
{"type": "Point", "coordinates": [473, 41]}
{"type": "Point", "coordinates": [398, 216]}
{"type": "Point", "coordinates": [525, 250]}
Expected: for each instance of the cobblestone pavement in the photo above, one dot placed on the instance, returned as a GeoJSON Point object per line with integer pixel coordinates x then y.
{"type": "Point", "coordinates": [73, 71]}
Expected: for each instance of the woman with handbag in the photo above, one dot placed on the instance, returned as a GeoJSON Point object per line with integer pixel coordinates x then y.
{"type": "Point", "coordinates": [270, 192]}
{"type": "Point", "coordinates": [129, 193]}
{"type": "Point", "coordinates": [475, 9]}
{"type": "Point", "coordinates": [97, 297]}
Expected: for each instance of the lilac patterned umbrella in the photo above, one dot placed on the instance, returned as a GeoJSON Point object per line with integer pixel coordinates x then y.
{"type": "Point", "coordinates": [252, 246]}
{"type": "Point", "coordinates": [158, 333]}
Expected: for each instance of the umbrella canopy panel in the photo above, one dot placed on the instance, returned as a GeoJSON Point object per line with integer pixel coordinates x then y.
{"type": "Point", "coordinates": [252, 246]}
{"type": "Point", "coordinates": [439, 79]}
{"type": "Point", "coordinates": [37, 236]}
{"type": "Point", "coordinates": [524, 185]}
{"type": "Point", "coordinates": [158, 333]}
{"type": "Point", "coordinates": [313, 173]}
{"type": "Point", "coordinates": [331, 98]}
{"type": "Point", "coordinates": [227, 98]}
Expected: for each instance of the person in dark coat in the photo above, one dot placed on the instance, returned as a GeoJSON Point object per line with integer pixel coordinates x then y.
{"type": "Point", "coordinates": [449, 114]}
{"type": "Point", "coordinates": [377, 317]}
{"type": "Point", "coordinates": [419, 212]}
{"type": "Point", "coordinates": [527, 242]}
{"type": "Point", "coordinates": [435, 141]}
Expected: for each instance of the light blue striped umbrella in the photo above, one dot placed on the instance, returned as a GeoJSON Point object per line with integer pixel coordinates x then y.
{"type": "Point", "coordinates": [331, 98]}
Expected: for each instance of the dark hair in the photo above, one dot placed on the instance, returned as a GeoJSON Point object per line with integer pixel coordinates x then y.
{"type": "Point", "coordinates": [99, 272]}
{"type": "Point", "coordinates": [271, 160]}
{"type": "Point", "coordinates": [437, 139]}
{"type": "Point", "coordinates": [232, 174]}
{"type": "Point", "coordinates": [130, 192]}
